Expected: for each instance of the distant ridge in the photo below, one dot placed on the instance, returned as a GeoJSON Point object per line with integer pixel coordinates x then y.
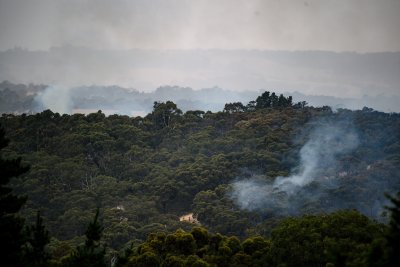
{"type": "Point", "coordinates": [20, 98]}
{"type": "Point", "coordinates": [346, 74]}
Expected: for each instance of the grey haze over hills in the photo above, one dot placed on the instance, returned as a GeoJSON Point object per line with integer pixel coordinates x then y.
{"type": "Point", "coordinates": [340, 80]}
{"type": "Point", "coordinates": [237, 45]}
{"type": "Point", "coordinates": [309, 72]}
{"type": "Point", "coordinates": [20, 98]}
{"type": "Point", "coordinates": [347, 80]}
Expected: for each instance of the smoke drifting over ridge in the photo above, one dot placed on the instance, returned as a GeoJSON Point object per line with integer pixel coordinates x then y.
{"type": "Point", "coordinates": [55, 98]}
{"type": "Point", "coordinates": [310, 182]}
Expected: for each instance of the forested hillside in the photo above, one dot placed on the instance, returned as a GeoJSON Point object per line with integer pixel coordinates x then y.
{"type": "Point", "coordinates": [242, 172]}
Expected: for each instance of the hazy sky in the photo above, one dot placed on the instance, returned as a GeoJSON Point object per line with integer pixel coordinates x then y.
{"type": "Point", "coordinates": [336, 25]}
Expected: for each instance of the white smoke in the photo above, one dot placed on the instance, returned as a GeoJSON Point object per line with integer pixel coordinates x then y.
{"type": "Point", "coordinates": [317, 158]}
{"type": "Point", "coordinates": [56, 98]}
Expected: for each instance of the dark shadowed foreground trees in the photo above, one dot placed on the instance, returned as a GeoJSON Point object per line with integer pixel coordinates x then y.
{"type": "Point", "coordinates": [393, 237]}
{"type": "Point", "coordinates": [92, 252]}
{"type": "Point", "coordinates": [386, 250]}
{"type": "Point", "coordinates": [12, 236]}
{"type": "Point", "coordinates": [35, 253]}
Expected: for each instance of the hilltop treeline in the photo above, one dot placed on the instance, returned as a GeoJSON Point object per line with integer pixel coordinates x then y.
{"type": "Point", "coordinates": [145, 172]}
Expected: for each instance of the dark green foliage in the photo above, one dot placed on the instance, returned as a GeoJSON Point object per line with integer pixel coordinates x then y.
{"type": "Point", "coordinates": [342, 238]}
{"type": "Point", "coordinates": [392, 249]}
{"type": "Point", "coordinates": [92, 252]}
{"type": "Point", "coordinates": [35, 253]}
{"type": "Point", "coordinates": [11, 234]}
{"type": "Point", "coordinates": [93, 232]}
{"type": "Point", "coordinates": [234, 107]}
{"type": "Point", "coordinates": [271, 100]}
{"type": "Point", "coordinates": [164, 114]}
{"type": "Point", "coordinates": [385, 250]}
{"type": "Point", "coordinates": [146, 172]}
{"type": "Point", "coordinates": [147, 259]}
{"type": "Point", "coordinates": [201, 236]}
{"type": "Point", "coordinates": [180, 243]}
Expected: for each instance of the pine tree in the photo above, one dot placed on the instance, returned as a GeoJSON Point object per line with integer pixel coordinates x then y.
{"type": "Point", "coordinates": [35, 253]}
{"type": "Point", "coordinates": [92, 252]}
{"type": "Point", "coordinates": [12, 237]}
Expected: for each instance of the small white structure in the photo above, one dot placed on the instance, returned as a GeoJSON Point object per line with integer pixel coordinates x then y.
{"type": "Point", "coordinates": [189, 218]}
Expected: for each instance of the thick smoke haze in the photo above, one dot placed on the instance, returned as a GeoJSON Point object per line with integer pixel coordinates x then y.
{"type": "Point", "coordinates": [344, 25]}
{"type": "Point", "coordinates": [236, 45]}
{"type": "Point", "coordinates": [313, 181]}
{"type": "Point", "coordinates": [340, 75]}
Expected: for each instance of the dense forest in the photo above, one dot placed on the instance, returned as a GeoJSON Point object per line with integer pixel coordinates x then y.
{"type": "Point", "coordinates": [268, 183]}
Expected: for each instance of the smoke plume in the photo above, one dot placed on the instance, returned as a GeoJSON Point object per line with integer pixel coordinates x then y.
{"type": "Point", "coordinates": [317, 172]}
{"type": "Point", "coordinates": [55, 98]}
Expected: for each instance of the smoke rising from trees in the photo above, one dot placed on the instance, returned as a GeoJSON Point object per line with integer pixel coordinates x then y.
{"type": "Point", "coordinates": [56, 98]}
{"type": "Point", "coordinates": [321, 150]}
{"type": "Point", "coordinates": [318, 174]}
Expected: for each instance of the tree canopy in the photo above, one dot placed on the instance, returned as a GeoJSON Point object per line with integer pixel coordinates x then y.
{"type": "Point", "coordinates": [144, 173]}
